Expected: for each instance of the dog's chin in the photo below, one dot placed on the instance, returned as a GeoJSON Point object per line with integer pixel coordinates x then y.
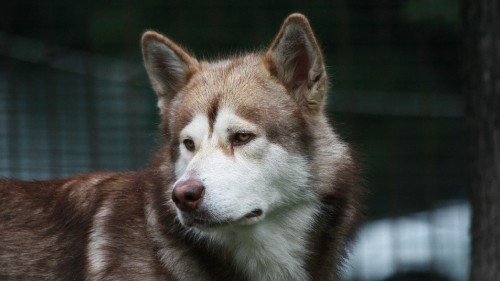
{"type": "Point", "coordinates": [204, 221]}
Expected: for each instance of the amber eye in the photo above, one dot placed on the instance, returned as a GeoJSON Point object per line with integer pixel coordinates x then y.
{"type": "Point", "coordinates": [241, 138]}
{"type": "Point", "coordinates": [189, 144]}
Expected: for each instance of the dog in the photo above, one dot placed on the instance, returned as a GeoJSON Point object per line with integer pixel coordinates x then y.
{"type": "Point", "coordinates": [251, 181]}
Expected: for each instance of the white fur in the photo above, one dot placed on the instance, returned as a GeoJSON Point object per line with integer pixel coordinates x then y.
{"type": "Point", "coordinates": [96, 253]}
{"type": "Point", "coordinates": [259, 175]}
{"type": "Point", "coordinates": [273, 249]}
{"type": "Point", "coordinates": [197, 130]}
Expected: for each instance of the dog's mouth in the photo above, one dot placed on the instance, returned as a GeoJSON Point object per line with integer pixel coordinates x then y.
{"type": "Point", "coordinates": [254, 214]}
{"type": "Point", "coordinates": [207, 221]}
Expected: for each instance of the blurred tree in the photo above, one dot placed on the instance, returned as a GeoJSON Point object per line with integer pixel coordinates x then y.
{"type": "Point", "coordinates": [482, 88]}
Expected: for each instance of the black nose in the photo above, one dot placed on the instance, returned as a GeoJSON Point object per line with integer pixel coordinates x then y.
{"type": "Point", "coordinates": [188, 195]}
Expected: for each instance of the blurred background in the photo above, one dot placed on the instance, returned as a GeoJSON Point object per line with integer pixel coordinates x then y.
{"type": "Point", "coordinates": [74, 97]}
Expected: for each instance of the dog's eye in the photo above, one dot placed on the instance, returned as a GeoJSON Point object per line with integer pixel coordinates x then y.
{"type": "Point", "coordinates": [241, 138]}
{"type": "Point", "coordinates": [189, 144]}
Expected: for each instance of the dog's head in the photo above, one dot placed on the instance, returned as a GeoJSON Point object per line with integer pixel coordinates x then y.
{"type": "Point", "coordinates": [239, 130]}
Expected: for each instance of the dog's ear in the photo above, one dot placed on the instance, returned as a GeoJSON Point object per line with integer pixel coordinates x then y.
{"type": "Point", "coordinates": [296, 60]}
{"type": "Point", "coordinates": [169, 67]}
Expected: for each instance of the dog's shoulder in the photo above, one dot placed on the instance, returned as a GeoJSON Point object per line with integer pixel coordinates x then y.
{"type": "Point", "coordinates": [42, 221]}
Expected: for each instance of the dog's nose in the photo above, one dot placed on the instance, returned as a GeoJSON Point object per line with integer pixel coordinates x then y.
{"type": "Point", "coordinates": [187, 195]}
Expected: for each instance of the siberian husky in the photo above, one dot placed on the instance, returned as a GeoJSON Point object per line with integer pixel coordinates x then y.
{"type": "Point", "coordinates": [251, 183]}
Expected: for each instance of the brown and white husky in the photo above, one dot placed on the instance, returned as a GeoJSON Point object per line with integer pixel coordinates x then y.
{"type": "Point", "coordinates": [251, 183]}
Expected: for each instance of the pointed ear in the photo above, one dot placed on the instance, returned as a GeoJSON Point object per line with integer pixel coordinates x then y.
{"type": "Point", "coordinates": [169, 67]}
{"type": "Point", "coordinates": [297, 61]}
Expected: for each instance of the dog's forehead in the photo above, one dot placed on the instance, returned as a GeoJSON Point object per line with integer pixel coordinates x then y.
{"type": "Point", "coordinates": [242, 84]}
{"type": "Point", "coordinates": [248, 89]}
{"type": "Point", "coordinates": [228, 78]}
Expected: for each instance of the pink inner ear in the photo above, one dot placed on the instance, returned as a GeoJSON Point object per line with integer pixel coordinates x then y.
{"type": "Point", "coordinates": [302, 66]}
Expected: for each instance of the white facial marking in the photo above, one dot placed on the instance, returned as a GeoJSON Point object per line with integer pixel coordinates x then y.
{"type": "Point", "coordinates": [258, 175]}
{"type": "Point", "coordinates": [197, 130]}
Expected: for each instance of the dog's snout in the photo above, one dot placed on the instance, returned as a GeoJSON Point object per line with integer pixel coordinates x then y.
{"type": "Point", "coordinates": [188, 195]}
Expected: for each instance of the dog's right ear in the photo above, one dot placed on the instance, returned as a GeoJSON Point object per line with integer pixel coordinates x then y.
{"type": "Point", "coordinates": [169, 67]}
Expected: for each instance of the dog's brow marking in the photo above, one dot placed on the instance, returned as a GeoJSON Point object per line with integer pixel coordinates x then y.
{"type": "Point", "coordinates": [213, 109]}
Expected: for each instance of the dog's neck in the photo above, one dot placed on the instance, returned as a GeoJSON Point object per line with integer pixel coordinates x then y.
{"type": "Point", "coordinates": [273, 249]}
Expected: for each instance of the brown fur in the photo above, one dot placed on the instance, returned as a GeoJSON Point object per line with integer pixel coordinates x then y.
{"type": "Point", "coordinates": [123, 226]}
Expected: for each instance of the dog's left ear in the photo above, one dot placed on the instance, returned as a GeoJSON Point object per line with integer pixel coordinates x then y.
{"type": "Point", "coordinates": [296, 59]}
